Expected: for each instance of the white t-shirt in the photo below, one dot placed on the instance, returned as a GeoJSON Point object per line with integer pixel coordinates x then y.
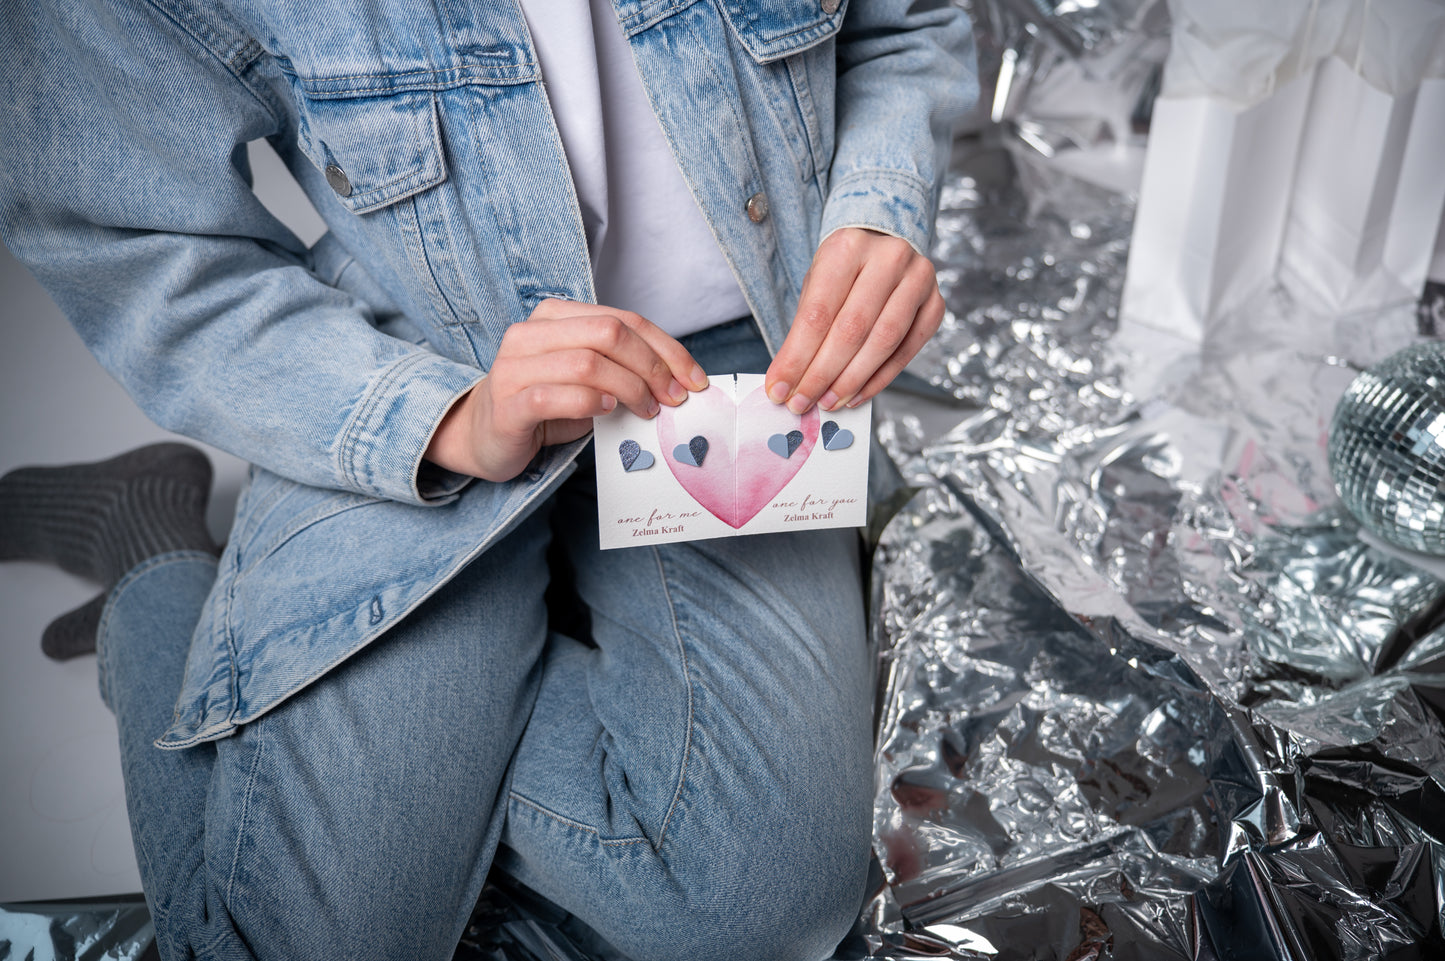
{"type": "Point", "coordinates": [652, 251]}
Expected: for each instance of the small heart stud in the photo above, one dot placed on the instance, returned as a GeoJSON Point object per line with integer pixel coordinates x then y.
{"type": "Point", "coordinates": [784, 444]}
{"type": "Point", "coordinates": [694, 452]}
{"type": "Point", "coordinates": [634, 458]}
{"type": "Point", "coordinates": [835, 437]}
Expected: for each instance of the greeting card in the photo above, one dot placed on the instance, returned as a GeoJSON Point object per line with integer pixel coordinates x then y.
{"type": "Point", "coordinates": [729, 461]}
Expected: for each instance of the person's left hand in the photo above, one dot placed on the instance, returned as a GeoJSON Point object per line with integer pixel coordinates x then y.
{"type": "Point", "coordinates": [869, 304]}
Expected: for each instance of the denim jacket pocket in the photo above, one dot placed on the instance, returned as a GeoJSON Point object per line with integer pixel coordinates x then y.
{"type": "Point", "coordinates": [792, 41]}
{"type": "Point", "coordinates": [373, 150]}
{"type": "Point", "coordinates": [773, 29]}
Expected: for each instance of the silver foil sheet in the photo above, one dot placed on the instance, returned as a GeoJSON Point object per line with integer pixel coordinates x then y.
{"type": "Point", "coordinates": [1063, 75]}
{"type": "Point", "coordinates": [1145, 692]}
{"type": "Point", "coordinates": [113, 930]}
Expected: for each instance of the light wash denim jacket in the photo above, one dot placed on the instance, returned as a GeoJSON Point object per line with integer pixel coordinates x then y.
{"type": "Point", "coordinates": [423, 136]}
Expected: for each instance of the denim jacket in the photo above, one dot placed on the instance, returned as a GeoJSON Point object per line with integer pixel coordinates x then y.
{"type": "Point", "coordinates": [423, 136]}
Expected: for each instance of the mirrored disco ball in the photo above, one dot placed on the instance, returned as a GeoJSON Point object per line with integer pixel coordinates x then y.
{"type": "Point", "coordinates": [1387, 448]}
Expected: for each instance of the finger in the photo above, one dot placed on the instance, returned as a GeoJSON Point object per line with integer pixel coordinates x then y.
{"type": "Point", "coordinates": [579, 367]}
{"type": "Point", "coordinates": [684, 368]}
{"type": "Point", "coordinates": [899, 315]}
{"type": "Point", "coordinates": [825, 290]}
{"type": "Point", "coordinates": [852, 329]}
{"type": "Point", "coordinates": [522, 416]}
{"type": "Point", "coordinates": [620, 335]}
{"type": "Point", "coordinates": [603, 333]}
{"type": "Point", "coordinates": [924, 327]}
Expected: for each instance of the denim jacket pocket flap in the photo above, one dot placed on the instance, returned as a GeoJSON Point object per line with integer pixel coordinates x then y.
{"type": "Point", "coordinates": [772, 29]}
{"type": "Point", "coordinates": [373, 150]}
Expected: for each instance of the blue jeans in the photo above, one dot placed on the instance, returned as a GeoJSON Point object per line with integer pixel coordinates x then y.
{"type": "Point", "coordinates": [693, 779]}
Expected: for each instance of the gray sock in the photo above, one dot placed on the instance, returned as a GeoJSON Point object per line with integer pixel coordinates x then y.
{"type": "Point", "coordinates": [73, 634]}
{"type": "Point", "coordinates": [99, 520]}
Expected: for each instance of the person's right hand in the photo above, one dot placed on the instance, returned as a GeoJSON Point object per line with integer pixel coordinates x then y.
{"type": "Point", "coordinates": [564, 365]}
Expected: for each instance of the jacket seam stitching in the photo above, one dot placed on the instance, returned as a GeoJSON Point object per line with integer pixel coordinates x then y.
{"type": "Point", "coordinates": [306, 83]}
{"type": "Point", "coordinates": [409, 223]}
{"type": "Point", "coordinates": [369, 403]}
{"type": "Point", "coordinates": [879, 173]}
{"type": "Point", "coordinates": [237, 63]}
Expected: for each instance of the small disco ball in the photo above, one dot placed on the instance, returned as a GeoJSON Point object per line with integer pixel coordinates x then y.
{"type": "Point", "coordinates": [1387, 448]}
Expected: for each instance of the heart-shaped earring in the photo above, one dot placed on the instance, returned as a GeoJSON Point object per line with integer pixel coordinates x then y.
{"type": "Point", "coordinates": [694, 452]}
{"type": "Point", "coordinates": [784, 444]}
{"type": "Point", "coordinates": [835, 437]}
{"type": "Point", "coordinates": [634, 458]}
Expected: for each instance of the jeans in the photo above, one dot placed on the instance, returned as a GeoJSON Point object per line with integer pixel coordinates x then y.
{"type": "Point", "coordinates": [691, 778]}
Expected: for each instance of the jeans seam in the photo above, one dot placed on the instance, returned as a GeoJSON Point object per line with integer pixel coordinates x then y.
{"type": "Point", "coordinates": [687, 680]}
{"type": "Point", "coordinates": [251, 777]}
{"type": "Point", "coordinates": [576, 825]}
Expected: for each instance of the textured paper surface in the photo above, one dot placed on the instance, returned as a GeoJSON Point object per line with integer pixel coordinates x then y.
{"type": "Point", "coordinates": [729, 461]}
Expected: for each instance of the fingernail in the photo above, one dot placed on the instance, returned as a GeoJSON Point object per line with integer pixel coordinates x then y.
{"type": "Point", "coordinates": [698, 378]}
{"type": "Point", "coordinates": [653, 407]}
{"type": "Point", "coordinates": [676, 391]}
{"type": "Point", "coordinates": [854, 402]}
{"type": "Point", "coordinates": [779, 392]}
{"type": "Point", "coordinates": [799, 404]}
{"type": "Point", "coordinates": [608, 402]}
{"type": "Point", "coordinates": [828, 401]}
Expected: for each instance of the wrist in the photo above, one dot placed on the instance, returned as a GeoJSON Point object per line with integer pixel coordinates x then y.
{"type": "Point", "coordinates": [452, 446]}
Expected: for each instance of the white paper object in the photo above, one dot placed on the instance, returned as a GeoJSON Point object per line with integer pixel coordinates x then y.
{"type": "Point", "coordinates": [1212, 206]}
{"type": "Point", "coordinates": [1298, 140]}
{"type": "Point", "coordinates": [729, 461]}
{"type": "Point", "coordinates": [1368, 191]}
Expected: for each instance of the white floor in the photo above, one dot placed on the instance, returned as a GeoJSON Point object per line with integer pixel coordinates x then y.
{"type": "Point", "coordinates": [63, 830]}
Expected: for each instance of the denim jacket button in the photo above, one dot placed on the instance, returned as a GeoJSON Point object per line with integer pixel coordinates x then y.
{"type": "Point", "coordinates": [757, 208]}
{"type": "Point", "coordinates": [830, 7]}
{"type": "Point", "coordinates": [338, 180]}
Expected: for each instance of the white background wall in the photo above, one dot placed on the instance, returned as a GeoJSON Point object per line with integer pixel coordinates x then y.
{"type": "Point", "coordinates": [63, 829]}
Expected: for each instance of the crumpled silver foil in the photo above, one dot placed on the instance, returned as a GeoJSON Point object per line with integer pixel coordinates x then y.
{"type": "Point", "coordinates": [1145, 691]}
{"type": "Point", "coordinates": [1064, 75]}
{"type": "Point", "coordinates": [113, 930]}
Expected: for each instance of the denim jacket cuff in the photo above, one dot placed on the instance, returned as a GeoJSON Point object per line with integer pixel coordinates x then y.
{"type": "Point", "coordinates": [891, 201]}
{"type": "Point", "coordinates": [382, 445]}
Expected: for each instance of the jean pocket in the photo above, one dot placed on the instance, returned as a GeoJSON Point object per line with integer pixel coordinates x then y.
{"type": "Point", "coordinates": [373, 150]}
{"type": "Point", "coordinates": [773, 29]}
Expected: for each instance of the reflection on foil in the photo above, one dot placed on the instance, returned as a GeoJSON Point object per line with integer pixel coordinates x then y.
{"type": "Point", "coordinates": [1145, 692]}
{"type": "Point", "coordinates": [1071, 76]}
{"type": "Point", "coordinates": [116, 930]}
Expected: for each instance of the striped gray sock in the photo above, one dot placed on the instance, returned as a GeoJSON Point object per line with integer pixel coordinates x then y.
{"type": "Point", "coordinates": [99, 520]}
{"type": "Point", "coordinates": [73, 633]}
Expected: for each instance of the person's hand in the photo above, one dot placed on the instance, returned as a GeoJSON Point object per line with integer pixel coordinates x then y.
{"type": "Point", "coordinates": [869, 304]}
{"type": "Point", "coordinates": [564, 365]}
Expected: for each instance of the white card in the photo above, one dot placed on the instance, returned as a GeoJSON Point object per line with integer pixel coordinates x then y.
{"type": "Point", "coordinates": [729, 461]}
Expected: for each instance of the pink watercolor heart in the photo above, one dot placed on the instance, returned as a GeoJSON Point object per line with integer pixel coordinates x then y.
{"type": "Point", "coordinates": [740, 475]}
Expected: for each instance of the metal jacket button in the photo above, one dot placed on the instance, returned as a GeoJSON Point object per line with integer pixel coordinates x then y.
{"type": "Point", "coordinates": [338, 180]}
{"type": "Point", "coordinates": [830, 7]}
{"type": "Point", "coordinates": [757, 208]}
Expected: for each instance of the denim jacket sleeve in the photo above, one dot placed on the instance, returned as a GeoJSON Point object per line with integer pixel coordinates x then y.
{"type": "Point", "coordinates": [906, 72]}
{"type": "Point", "coordinates": [124, 188]}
